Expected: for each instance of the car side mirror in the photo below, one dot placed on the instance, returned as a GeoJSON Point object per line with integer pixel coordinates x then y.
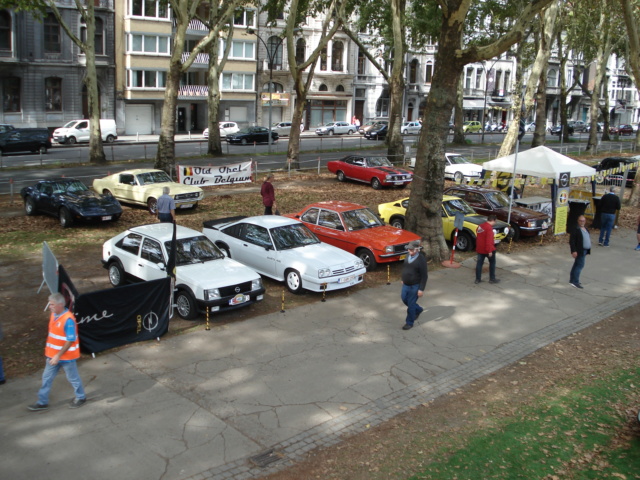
{"type": "Point", "coordinates": [161, 266]}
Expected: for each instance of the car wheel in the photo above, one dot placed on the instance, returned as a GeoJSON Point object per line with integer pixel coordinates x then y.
{"type": "Point", "coordinates": [397, 222]}
{"type": "Point", "coordinates": [66, 220]}
{"type": "Point", "coordinates": [514, 232]}
{"type": "Point", "coordinates": [368, 258]}
{"type": "Point", "coordinates": [29, 206]}
{"type": "Point", "coordinates": [110, 138]}
{"type": "Point", "coordinates": [340, 175]}
{"type": "Point", "coordinates": [458, 177]}
{"type": "Point", "coordinates": [71, 140]}
{"type": "Point", "coordinates": [243, 141]}
{"type": "Point", "coordinates": [152, 205]}
{"type": "Point", "coordinates": [465, 242]}
{"type": "Point", "coordinates": [294, 281]}
{"type": "Point", "coordinates": [42, 149]}
{"type": "Point", "coordinates": [330, 132]}
{"type": "Point", "coordinates": [405, 132]}
{"type": "Point", "coordinates": [106, 191]}
{"type": "Point", "coordinates": [225, 249]}
{"type": "Point", "coordinates": [375, 183]}
{"type": "Point", "coordinates": [350, 132]}
{"type": "Point", "coordinates": [186, 305]}
{"type": "Point", "coordinates": [116, 274]}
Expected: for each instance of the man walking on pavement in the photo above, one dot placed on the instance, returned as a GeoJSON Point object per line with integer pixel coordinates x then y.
{"type": "Point", "coordinates": [486, 248]}
{"type": "Point", "coordinates": [61, 351]}
{"type": "Point", "coordinates": [166, 207]}
{"type": "Point", "coordinates": [414, 281]}
{"type": "Point", "coordinates": [609, 205]}
{"type": "Point", "coordinates": [580, 243]}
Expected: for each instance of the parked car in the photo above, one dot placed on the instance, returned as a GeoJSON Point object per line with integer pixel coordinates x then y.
{"type": "Point", "coordinates": [79, 131]}
{"type": "Point", "coordinates": [205, 278]}
{"type": "Point", "coordinates": [605, 176]}
{"type": "Point", "coordinates": [578, 125]}
{"type": "Point", "coordinates": [286, 250]}
{"type": "Point", "coordinates": [252, 134]}
{"type": "Point", "coordinates": [371, 124]}
{"type": "Point", "coordinates": [621, 130]}
{"type": "Point", "coordinates": [394, 213]}
{"type": "Point", "coordinates": [336, 128]}
{"type": "Point", "coordinates": [530, 127]}
{"type": "Point", "coordinates": [357, 230]}
{"type": "Point", "coordinates": [557, 130]}
{"type": "Point", "coordinates": [472, 126]}
{"type": "Point", "coordinates": [5, 127]}
{"type": "Point", "coordinates": [410, 128]}
{"type": "Point", "coordinates": [25, 140]}
{"type": "Point", "coordinates": [284, 128]}
{"type": "Point", "coordinates": [378, 132]}
{"type": "Point", "coordinates": [143, 186]}
{"type": "Point", "coordinates": [70, 200]}
{"type": "Point", "coordinates": [600, 126]}
{"type": "Point", "coordinates": [226, 128]}
{"type": "Point", "coordinates": [457, 167]}
{"type": "Point", "coordinates": [377, 171]}
{"type": "Point", "coordinates": [524, 221]}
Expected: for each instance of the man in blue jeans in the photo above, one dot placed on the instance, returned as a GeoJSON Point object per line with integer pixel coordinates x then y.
{"type": "Point", "coordinates": [414, 281]}
{"type": "Point", "coordinates": [580, 243]}
{"type": "Point", "coordinates": [609, 205]}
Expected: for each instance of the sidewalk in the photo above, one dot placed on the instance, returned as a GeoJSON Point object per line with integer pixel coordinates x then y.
{"type": "Point", "coordinates": [203, 404]}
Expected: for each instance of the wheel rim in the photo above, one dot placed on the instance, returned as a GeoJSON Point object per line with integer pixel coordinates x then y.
{"type": "Point", "coordinates": [244, 141]}
{"type": "Point", "coordinates": [457, 177]}
{"type": "Point", "coordinates": [341, 176]}
{"type": "Point", "coordinates": [463, 243]}
{"type": "Point", "coordinates": [152, 204]}
{"type": "Point", "coordinates": [114, 275]}
{"type": "Point", "coordinates": [397, 224]}
{"type": "Point", "coordinates": [28, 206]}
{"type": "Point", "coordinates": [375, 183]}
{"type": "Point", "coordinates": [72, 140]}
{"type": "Point", "coordinates": [366, 259]}
{"type": "Point", "coordinates": [64, 220]}
{"type": "Point", "coordinates": [183, 305]}
{"type": "Point", "coordinates": [293, 280]}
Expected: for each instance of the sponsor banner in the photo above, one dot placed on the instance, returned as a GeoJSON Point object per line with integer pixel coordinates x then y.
{"type": "Point", "coordinates": [220, 175]}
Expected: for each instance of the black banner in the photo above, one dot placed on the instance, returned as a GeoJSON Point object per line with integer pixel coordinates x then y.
{"type": "Point", "coordinates": [122, 315]}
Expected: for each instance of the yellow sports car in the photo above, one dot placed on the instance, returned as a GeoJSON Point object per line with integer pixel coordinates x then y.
{"type": "Point", "coordinates": [143, 186]}
{"type": "Point", "coordinates": [393, 213]}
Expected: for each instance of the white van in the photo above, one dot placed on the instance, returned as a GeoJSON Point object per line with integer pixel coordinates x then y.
{"type": "Point", "coordinates": [78, 131]}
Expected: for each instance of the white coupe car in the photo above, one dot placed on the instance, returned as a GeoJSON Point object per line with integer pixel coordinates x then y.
{"type": "Point", "coordinates": [457, 168]}
{"type": "Point", "coordinates": [226, 128]}
{"type": "Point", "coordinates": [205, 277]}
{"type": "Point", "coordinates": [285, 250]}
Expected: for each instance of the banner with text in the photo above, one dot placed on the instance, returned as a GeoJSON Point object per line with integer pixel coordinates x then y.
{"type": "Point", "coordinates": [219, 175]}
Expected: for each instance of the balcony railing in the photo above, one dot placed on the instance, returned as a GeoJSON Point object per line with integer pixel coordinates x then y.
{"type": "Point", "coordinates": [96, 3]}
{"type": "Point", "coordinates": [201, 58]}
{"type": "Point", "coordinates": [193, 91]}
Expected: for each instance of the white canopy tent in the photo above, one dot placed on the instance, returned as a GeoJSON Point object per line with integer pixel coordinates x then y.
{"type": "Point", "coordinates": [540, 162]}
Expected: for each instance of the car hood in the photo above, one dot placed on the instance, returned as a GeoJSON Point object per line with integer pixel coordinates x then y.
{"type": "Point", "coordinates": [318, 255]}
{"type": "Point", "coordinates": [176, 188]}
{"type": "Point", "coordinates": [384, 235]}
{"type": "Point", "coordinates": [391, 170]}
{"type": "Point", "coordinates": [89, 198]}
{"type": "Point", "coordinates": [227, 272]}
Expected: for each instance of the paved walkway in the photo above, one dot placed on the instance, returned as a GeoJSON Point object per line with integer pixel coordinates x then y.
{"type": "Point", "coordinates": [213, 404]}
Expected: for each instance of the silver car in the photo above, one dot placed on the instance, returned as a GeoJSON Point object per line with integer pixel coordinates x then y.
{"type": "Point", "coordinates": [336, 128]}
{"type": "Point", "coordinates": [284, 128]}
{"type": "Point", "coordinates": [411, 128]}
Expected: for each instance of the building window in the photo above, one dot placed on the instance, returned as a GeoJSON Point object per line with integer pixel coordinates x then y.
{"type": "Point", "coordinates": [274, 52]}
{"type": "Point", "coordinates": [11, 94]}
{"type": "Point", "coordinates": [552, 78]}
{"type": "Point", "coordinates": [413, 71]}
{"type": "Point", "coordinates": [146, 79]}
{"type": "Point", "coordinates": [323, 59]}
{"type": "Point", "coordinates": [5, 30]}
{"type": "Point", "coordinates": [244, 18]}
{"type": "Point", "coordinates": [149, 8]}
{"type": "Point", "coordinates": [244, 50]}
{"type": "Point", "coordinates": [238, 81]}
{"type": "Point", "coordinates": [275, 87]}
{"type": "Point", "coordinates": [507, 82]}
{"type": "Point", "coordinates": [337, 51]}
{"type": "Point", "coordinates": [53, 94]}
{"type": "Point", "coordinates": [362, 63]}
{"type": "Point", "coordinates": [497, 90]}
{"type": "Point", "coordinates": [323, 88]}
{"type": "Point", "coordinates": [147, 44]}
{"type": "Point", "coordinates": [300, 51]}
{"type": "Point", "coordinates": [51, 34]}
{"type": "Point", "coordinates": [479, 79]}
{"type": "Point", "coordinates": [468, 78]}
{"type": "Point", "coordinates": [428, 75]}
{"type": "Point", "coordinates": [340, 88]}
{"type": "Point", "coordinates": [98, 37]}
{"type": "Point", "coordinates": [382, 107]}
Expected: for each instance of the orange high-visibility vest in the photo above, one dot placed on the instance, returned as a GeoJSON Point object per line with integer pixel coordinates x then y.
{"type": "Point", "coordinates": [57, 338]}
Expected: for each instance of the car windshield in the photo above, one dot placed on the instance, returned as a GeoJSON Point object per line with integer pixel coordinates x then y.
{"type": "Point", "coordinates": [194, 250]}
{"type": "Point", "coordinates": [458, 205]}
{"type": "Point", "coordinates": [379, 162]}
{"type": "Point", "coordinates": [457, 159]}
{"type": "Point", "coordinates": [70, 187]}
{"type": "Point", "coordinates": [498, 199]}
{"type": "Point", "coordinates": [153, 177]}
{"type": "Point", "coordinates": [360, 219]}
{"type": "Point", "coordinates": [330, 124]}
{"type": "Point", "coordinates": [293, 236]}
{"type": "Point", "coordinates": [70, 124]}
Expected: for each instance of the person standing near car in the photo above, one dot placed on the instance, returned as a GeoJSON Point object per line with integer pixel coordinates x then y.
{"type": "Point", "coordinates": [414, 281]}
{"type": "Point", "coordinates": [609, 205]}
{"type": "Point", "coordinates": [61, 351]}
{"type": "Point", "coordinates": [268, 195]}
{"type": "Point", "coordinates": [166, 207]}
{"type": "Point", "coordinates": [580, 243]}
{"type": "Point", "coordinates": [486, 248]}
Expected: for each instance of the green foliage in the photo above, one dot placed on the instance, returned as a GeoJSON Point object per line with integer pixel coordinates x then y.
{"type": "Point", "coordinates": [37, 8]}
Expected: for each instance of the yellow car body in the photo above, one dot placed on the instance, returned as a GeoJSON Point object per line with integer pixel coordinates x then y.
{"type": "Point", "coordinates": [471, 126]}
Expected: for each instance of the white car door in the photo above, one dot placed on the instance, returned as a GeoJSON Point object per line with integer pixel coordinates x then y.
{"type": "Point", "coordinates": [151, 264]}
{"type": "Point", "coordinates": [255, 249]}
{"type": "Point", "coordinates": [83, 132]}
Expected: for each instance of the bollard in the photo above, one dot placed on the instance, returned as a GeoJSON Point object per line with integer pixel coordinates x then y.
{"type": "Point", "coordinates": [40, 151]}
{"type": "Point", "coordinates": [1, 159]}
{"type": "Point", "coordinates": [11, 191]}
{"type": "Point", "coordinates": [324, 292]}
{"type": "Point", "coordinates": [388, 274]}
{"type": "Point", "coordinates": [282, 308]}
{"type": "Point", "coordinates": [207, 327]}
{"type": "Point", "coordinates": [189, 134]}
{"type": "Point", "coordinates": [318, 165]}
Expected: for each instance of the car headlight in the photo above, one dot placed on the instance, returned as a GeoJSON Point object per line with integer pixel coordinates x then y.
{"type": "Point", "coordinates": [212, 294]}
{"type": "Point", "coordinates": [388, 177]}
{"type": "Point", "coordinates": [506, 230]}
{"type": "Point", "coordinates": [359, 264]}
{"type": "Point", "coordinates": [388, 249]}
{"type": "Point", "coordinates": [324, 272]}
{"type": "Point", "coordinates": [256, 284]}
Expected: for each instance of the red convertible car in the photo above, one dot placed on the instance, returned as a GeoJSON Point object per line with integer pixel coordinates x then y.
{"type": "Point", "coordinates": [357, 230]}
{"type": "Point", "coordinates": [377, 171]}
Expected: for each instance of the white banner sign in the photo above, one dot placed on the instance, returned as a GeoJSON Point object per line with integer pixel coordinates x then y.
{"type": "Point", "coordinates": [220, 175]}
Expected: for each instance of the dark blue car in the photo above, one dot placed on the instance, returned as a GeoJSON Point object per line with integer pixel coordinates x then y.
{"type": "Point", "coordinates": [70, 200]}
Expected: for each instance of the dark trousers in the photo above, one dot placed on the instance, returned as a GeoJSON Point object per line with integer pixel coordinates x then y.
{"type": "Point", "coordinates": [268, 210]}
{"type": "Point", "coordinates": [409, 296]}
{"type": "Point", "coordinates": [165, 217]}
{"type": "Point", "coordinates": [492, 265]}
{"type": "Point", "coordinates": [576, 270]}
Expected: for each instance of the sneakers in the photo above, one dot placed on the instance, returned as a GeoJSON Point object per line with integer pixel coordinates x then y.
{"type": "Point", "coordinates": [495, 280]}
{"type": "Point", "coordinates": [577, 285]}
{"type": "Point", "coordinates": [407, 326]}
{"type": "Point", "coordinates": [638, 247]}
{"type": "Point", "coordinates": [37, 407]}
{"type": "Point", "coordinates": [477, 281]}
{"type": "Point", "coordinates": [77, 403]}
{"type": "Point", "coordinates": [600, 243]}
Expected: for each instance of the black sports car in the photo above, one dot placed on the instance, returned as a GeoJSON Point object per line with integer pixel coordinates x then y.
{"type": "Point", "coordinates": [557, 130]}
{"type": "Point", "coordinates": [249, 135]}
{"type": "Point", "coordinates": [69, 200]}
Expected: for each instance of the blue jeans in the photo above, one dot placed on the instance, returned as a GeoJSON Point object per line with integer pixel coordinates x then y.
{"type": "Point", "coordinates": [492, 265]}
{"type": "Point", "coordinates": [606, 225]}
{"type": "Point", "coordinates": [576, 270]}
{"type": "Point", "coordinates": [1, 370]}
{"type": "Point", "coordinates": [409, 296]}
{"type": "Point", "coordinates": [165, 217]}
{"type": "Point", "coordinates": [50, 372]}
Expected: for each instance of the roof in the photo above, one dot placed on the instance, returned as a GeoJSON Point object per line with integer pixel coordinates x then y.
{"type": "Point", "coordinates": [164, 231]}
{"type": "Point", "coordinates": [336, 205]}
{"type": "Point", "coordinates": [137, 171]}
{"type": "Point", "coordinates": [270, 221]}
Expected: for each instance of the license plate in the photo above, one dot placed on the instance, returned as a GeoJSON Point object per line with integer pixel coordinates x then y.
{"type": "Point", "coordinates": [186, 205]}
{"type": "Point", "coordinates": [402, 257]}
{"type": "Point", "coordinates": [542, 232]}
{"type": "Point", "coordinates": [398, 183]}
{"type": "Point", "coordinates": [348, 279]}
{"type": "Point", "coordinates": [238, 299]}
{"type": "Point", "coordinates": [108, 217]}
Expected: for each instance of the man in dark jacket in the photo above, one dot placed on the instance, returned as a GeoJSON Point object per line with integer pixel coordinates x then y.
{"type": "Point", "coordinates": [486, 248]}
{"type": "Point", "coordinates": [580, 243]}
{"type": "Point", "coordinates": [609, 205]}
{"type": "Point", "coordinates": [414, 281]}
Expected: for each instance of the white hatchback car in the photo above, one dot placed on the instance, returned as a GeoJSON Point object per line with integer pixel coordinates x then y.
{"type": "Point", "coordinates": [226, 128]}
{"type": "Point", "coordinates": [285, 250]}
{"type": "Point", "coordinates": [205, 277]}
{"type": "Point", "coordinates": [411, 128]}
{"type": "Point", "coordinates": [457, 168]}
